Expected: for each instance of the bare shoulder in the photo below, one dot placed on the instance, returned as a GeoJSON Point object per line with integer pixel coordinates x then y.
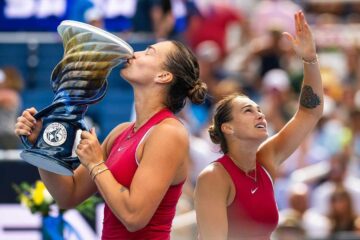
{"type": "Point", "coordinates": [170, 136]}
{"type": "Point", "coordinates": [213, 184]}
{"type": "Point", "coordinates": [166, 148]}
{"type": "Point", "coordinates": [213, 174]}
{"type": "Point", "coordinates": [110, 138]}
{"type": "Point", "coordinates": [171, 128]}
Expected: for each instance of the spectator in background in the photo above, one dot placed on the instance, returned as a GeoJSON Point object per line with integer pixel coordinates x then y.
{"type": "Point", "coordinates": [218, 23]}
{"type": "Point", "coordinates": [273, 14]}
{"type": "Point", "coordinates": [227, 87]}
{"type": "Point", "coordinates": [341, 214]}
{"type": "Point", "coordinates": [338, 176]}
{"type": "Point", "coordinates": [94, 16]}
{"type": "Point", "coordinates": [269, 50]}
{"type": "Point", "coordinates": [208, 54]}
{"type": "Point", "coordinates": [184, 11]}
{"type": "Point", "coordinates": [277, 100]}
{"type": "Point", "coordinates": [78, 8]}
{"type": "Point", "coordinates": [355, 141]}
{"type": "Point", "coordinates": [11, 83]}
{"type": "Point", "coordinates": [289, 228]}
{"type": "Point", "coordinates": [265, 53]}
{"type": "Point", "coordinates": [314, 224]}
{"type": "Point", "coordinates": [154, 17]}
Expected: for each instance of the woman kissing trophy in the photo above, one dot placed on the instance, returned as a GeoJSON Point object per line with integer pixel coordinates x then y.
{"type": "Point", "coordinates": [78, 80]}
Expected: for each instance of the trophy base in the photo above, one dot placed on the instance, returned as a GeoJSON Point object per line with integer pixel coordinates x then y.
{"type": "Point", "coordinates": [46, 162]}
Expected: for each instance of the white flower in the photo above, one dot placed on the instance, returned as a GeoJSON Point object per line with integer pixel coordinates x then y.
{"type": "Point", "coordinates": [47, 196]}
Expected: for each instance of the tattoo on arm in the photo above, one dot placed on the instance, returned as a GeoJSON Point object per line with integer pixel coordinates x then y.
{"type": "Point", "coordinates": [123, 189]}
{"type": "Point", "coordinates": [308, 98]}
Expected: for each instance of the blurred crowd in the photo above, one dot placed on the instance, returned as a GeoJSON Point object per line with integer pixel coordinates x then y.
{"type": "Point", "coordinates": [240, 47]}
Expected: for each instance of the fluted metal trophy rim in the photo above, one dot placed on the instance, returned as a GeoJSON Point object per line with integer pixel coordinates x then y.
{"type": "Point", "coordinates": [78, 80]}
{"type": "Point", "coordinates": [76, 24]}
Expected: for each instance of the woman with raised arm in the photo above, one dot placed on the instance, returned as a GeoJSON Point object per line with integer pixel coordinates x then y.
{"type": "Point", "coordinates": [141, 166]}
{"type": "Point", "coordinates": [234, 196]}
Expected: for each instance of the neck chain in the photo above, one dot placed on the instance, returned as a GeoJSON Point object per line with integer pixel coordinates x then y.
{"type": "Point", "coordinates": [134, 128]}
{"type": "Point", "coordinates": [250, 175]}
{"type": "Point", "coordinates": [131, 132]}
{"type": "Point", "coordinates": [247, 173]}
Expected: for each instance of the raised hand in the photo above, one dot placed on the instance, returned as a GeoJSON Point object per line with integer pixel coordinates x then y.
{"type": "Point", "coordinates": [28, 126]}
{"type": "Point", "coordinates": [303, 42]}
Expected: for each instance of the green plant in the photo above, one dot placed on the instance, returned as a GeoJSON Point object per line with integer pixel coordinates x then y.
{"type": "Point", "coordinates": [36, 197]}
{"type": "Point", "coordinates": [87, 208]}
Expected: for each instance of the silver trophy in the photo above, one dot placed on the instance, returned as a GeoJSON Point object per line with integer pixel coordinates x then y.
{"type": "Point", "coordinates": [78, 80]}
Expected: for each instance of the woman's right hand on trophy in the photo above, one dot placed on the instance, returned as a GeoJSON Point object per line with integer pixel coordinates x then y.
{"type": "Point", "coordinates": [28, 126]}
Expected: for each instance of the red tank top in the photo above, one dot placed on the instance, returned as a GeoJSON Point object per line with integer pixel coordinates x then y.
{"type": "Point", "coordinates": [253, 214]}
{"type": "Point", "coordinates": [123, 165]}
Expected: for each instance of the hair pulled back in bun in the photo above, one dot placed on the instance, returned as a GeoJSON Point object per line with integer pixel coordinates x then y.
{"type": "Point", "coordinates": [184, 67]}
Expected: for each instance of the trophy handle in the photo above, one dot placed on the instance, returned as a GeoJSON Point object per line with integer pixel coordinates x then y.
{"type": "Point", "coordinates": [47, 110]}
{"type": "Point", "coordinates": [25, 142]}
{"type": "Point", "coordinates": [37, 116]}
{"type": "Point", "coordinates": [44, 112]}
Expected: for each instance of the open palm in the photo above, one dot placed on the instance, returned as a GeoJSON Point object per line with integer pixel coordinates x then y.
{"type": "Point", "coordinates": [303, 42]}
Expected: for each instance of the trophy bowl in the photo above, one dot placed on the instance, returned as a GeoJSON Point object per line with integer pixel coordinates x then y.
{"type": "Point", "coordinates": [78, 80]}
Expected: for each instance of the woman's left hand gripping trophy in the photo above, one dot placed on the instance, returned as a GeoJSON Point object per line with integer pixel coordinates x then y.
{"type": "Point", "coordinates": [78, 80]}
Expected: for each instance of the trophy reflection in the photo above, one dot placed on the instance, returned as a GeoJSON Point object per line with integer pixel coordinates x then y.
{"type": "Point", "coordinates": [78, 80]}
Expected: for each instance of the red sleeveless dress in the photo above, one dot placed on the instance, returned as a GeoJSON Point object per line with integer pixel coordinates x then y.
{"type": "Point", "coordinates": [253, 214]}
{"type": "Point", "coordinates": [123, 165]}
